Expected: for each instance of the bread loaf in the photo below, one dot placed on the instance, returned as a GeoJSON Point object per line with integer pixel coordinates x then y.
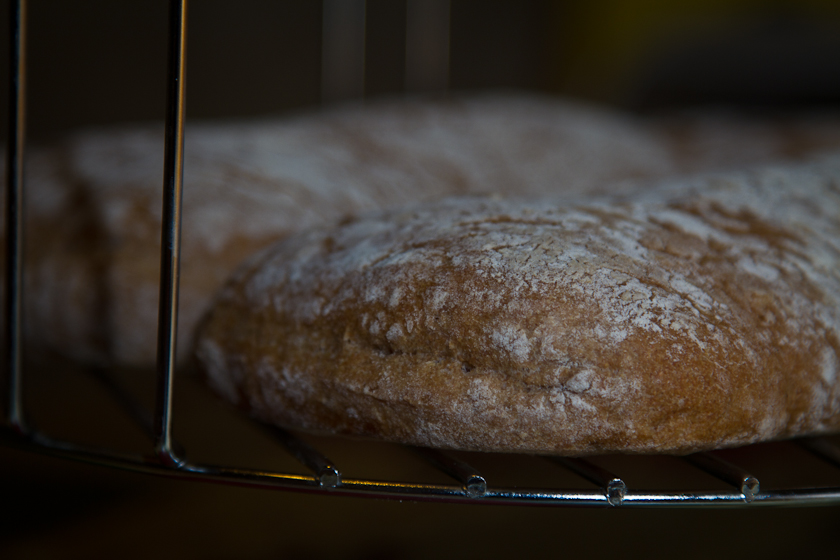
{"type": "Point", "coordinates": [95, 199]}
{"type": "Point", "coordinates": [713, 140]}
{"type": "Point", "coordinates": [687, 316]}
{"type": "Point", "coordinates": [93, 284]}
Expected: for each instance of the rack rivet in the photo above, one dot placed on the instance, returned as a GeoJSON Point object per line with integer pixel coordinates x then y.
{"type": "Point", "coordinates": [749, 488]}
{"type": "Point", "coordinates": [329, 477]}
{"type": "Point", "coordinates": [616, 490]}
{"type": "Point", "coordinates": [476, 487]}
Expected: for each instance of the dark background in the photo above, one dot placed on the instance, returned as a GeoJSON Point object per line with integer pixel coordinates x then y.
{"type": "Point", "coordinates": [96, 62]}
{"type": "Point", "coordinates": [100, 61]}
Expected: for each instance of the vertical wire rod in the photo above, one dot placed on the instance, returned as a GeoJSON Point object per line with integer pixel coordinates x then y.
{"type": "Point", "coordinates": [173, 176]}
{"type": "Point", "coordinates": [474, 483]}
{"type": "Point", "coordinates": [427, 46]}
{"type": "Point", "coordinates": [822, 448]}
{"type": "Point", "coordinates": [614, 487]}
{"type": "Point", "coordinates": [343, 50]}
{"type": "Point", "coordinates": [325, 470]}
{"type": "Point", "coordinates": [724, 470]}
{"type": "Point", "coordinates": [14, 215]}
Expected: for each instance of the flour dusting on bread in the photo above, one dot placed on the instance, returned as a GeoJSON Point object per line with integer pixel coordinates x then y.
{"type": "Point", "coordinates": [691, 315]}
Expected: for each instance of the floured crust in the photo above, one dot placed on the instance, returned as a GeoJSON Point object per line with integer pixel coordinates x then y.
{"type": "Point", "coordinates": [94, 200]}
{"type": "Point", "coordinates": [94, 268]}
{"type": "Point", "coordinates": [696, 316]}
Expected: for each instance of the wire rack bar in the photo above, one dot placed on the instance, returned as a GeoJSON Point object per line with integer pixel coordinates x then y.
{"type": "Point", "coordinates": [14, 214]}
{"type": "Point", "coordinates": [614, 488]}
{"type": "Point", "coordinates": [165, 458]}
{"type": "Point", "coordinates": [324, 470]}
{"type": "Point", "coordinates": [822, 448]}
{"type": "Point", "coordinates": [412, 490]}
{"type": "Point", "coordinates": [474, 484]}
{"type": "Point", "coordinates": [734, 475]}
{"type": "Point", "coordinates": [173, 169]}
{"type": "Point", "coordinates": [138, 414]}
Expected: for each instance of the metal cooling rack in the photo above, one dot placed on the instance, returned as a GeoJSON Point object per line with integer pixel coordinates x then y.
{"type": "Point", "coordinates": [735, 486]}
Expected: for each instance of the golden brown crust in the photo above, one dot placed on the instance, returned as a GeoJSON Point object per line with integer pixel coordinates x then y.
{"type": "Point", "coordinates": [697, 316]}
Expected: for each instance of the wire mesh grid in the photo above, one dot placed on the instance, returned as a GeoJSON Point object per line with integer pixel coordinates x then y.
{"type": "Point", "coordinates": [802, 472]}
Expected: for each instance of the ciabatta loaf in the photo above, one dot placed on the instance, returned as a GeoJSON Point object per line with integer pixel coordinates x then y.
{"type": "Point", "coordinates": [690, 316]}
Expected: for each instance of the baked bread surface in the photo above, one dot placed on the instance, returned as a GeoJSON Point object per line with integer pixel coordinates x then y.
{"type": "Point", "coordinates": [94, 199]}
{"type": "Point", "coordinates": [688, 316]}
{"type": "Point", "coordinates": [94, 267]}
